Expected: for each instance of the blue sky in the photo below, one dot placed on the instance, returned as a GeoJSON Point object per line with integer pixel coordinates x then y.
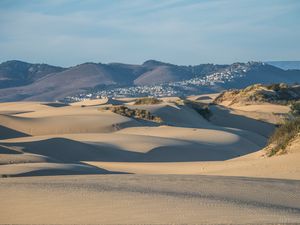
{"type": "Point", "coordinates": [65, 32]}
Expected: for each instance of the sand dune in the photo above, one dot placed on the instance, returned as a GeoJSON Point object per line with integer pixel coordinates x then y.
{"type": "Point", "coordinates": [264, 108]}
{"type": "Point", "coordinates": [227, 118]}
{"type": "Point", "coordinates": [175, 115]}
{"type": "Point", "coordinates": [47, 169]}
{"type": "Point", "coordinates": [8, 158]}
{"type": "Point", "coordinates": [61, 124]}
{"type": "Point", "coordinates": [281, 167]}
{"type": "Point", "coordinates": [98, 102]}
{"type": "Point", "coordinates": [270, 113]}
{"type": "Point", "coordinates": [90, 102]}
{"type": "Point", "coordinates": [44, 145]}
{"type": "Point", "coordinates": [9, 150]}
{"type": "Point", "coordinates": [124, 147]}
{"type": "Point", "coordinates": [10, 133]}
{"type": "Point", "coordinates": [48, 134]}
{"type": "Point", "coordinates": [22, 106]}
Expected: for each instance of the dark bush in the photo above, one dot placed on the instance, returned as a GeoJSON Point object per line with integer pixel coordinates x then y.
{"type": "Point", "coordinates": [201, 108]}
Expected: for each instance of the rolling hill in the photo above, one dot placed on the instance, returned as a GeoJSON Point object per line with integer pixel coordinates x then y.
{"type": "Point", "coordinates": [17, 73]}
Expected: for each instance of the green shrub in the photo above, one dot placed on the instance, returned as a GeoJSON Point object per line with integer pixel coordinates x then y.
{"type": "Point", "coordinates": [147, 101]}
{"type": "Point", "coordinates": [283, 135]}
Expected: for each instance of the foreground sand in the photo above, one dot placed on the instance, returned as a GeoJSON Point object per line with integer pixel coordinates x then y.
{"type": "Point", "coordinates": [142, 199]}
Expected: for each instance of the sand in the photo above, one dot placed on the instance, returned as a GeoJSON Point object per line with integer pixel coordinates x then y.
{"type": "Point", "coordinates": [283, 167]}
{"type": "Point", "coordinates": [185, 143]}
{"type": "Point", "coordinates": [146, 172]}
{"type": "Point", "coordinates": [148, 199]}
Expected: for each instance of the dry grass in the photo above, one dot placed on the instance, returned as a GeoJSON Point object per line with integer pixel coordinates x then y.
{"type": "Point", "coordinates": [295, 108]}
{"type": "Point", "coordinates": [283, 135]}
{"type": "Point", "coordinates": [281, 94]}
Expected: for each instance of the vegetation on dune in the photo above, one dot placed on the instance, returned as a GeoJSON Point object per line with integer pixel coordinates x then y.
{"type": "Point", "coordinates": [134, 113]}
{"type": "Point", "coordinates": [4, 175]}
{"type": "Point", "coordinates": [283, 135]}
{"type": "Point", "coordinates": [277, 87]}
{"type": "Point", "coordinates": [147, 101]}
{"type": "Point", "coordinates": [286, 132]}
{"type": "Point", "coordinates": [295, 108]}
{"type": "Point", "coordinates": [201, 108]}
{"type": "Point", "coordinates": [275, 93]}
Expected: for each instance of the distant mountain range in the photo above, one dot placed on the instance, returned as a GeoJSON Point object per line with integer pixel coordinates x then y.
{"type": "Point", "coordinates": [26, 81]}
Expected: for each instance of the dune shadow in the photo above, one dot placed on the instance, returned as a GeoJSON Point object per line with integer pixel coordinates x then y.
{"type": "Point", "coordinates": [9, 113]}
{"type": "Point", "coordinates": [8, 150]}
{"type": "Point", "coordinates": [56, 172]}
{"type": "Point", "coordinates": [193, 152]}
{"type": "Point", "coordinates": [70, 151]}
{"type": "Point", "coordinates": [6, 133]}
{"type": "Point", "coordinates": [203, 98]}
{"type": "Point", "coordinates": [223, 117]}
{"type": "Point", "coordinates": [56, 104]}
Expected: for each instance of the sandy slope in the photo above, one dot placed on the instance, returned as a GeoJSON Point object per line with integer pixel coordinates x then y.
{"type": "Point", "coordinates": [136, 199]}
{"type": "Point", "coordinates": [266, 112]}
{"type": "Point", "coordinates": [283, 167]}
{"type": "Point", "coordinates": [68, 120]}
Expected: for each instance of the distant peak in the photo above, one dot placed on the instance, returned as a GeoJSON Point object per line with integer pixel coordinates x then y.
{"type": "Point", "coordinates": [15, 62]}
{"type": "Point", "coordinates": [152, 62]}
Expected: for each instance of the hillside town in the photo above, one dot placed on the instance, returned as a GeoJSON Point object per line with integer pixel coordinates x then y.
{"type": "Point", "coordinates": [179, 88]}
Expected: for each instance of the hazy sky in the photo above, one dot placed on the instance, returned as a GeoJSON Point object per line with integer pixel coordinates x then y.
{"type": "Point", "coordinates": [65, 33]}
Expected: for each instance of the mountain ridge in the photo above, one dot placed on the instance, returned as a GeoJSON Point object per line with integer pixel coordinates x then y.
{"type": "Point", "coordinates": [25, 81]}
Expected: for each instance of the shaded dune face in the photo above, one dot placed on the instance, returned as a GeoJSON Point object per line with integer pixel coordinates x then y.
{"type": "Point", "coordinates": [220, 114]}
{"type": "Point", "coordinates": [6, 133]}
{"type": "Point", "coordinates": [9, 150]}
{"type": "Point", "coordinates": [70, 151]}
